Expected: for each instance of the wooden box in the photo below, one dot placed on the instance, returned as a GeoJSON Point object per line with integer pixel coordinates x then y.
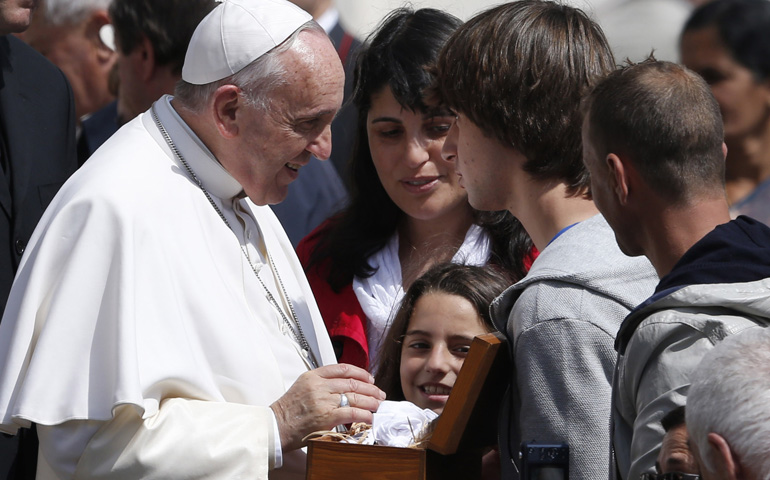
{"type": "Point", "coordinates": [467, 425]}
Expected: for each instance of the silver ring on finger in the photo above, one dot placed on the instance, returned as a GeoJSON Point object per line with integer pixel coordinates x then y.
{"type": "Point", "coordinates": [344, 402]}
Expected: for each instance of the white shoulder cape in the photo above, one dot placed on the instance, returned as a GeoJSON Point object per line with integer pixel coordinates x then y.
{"type": "Point", "coordinates": [133, 290]}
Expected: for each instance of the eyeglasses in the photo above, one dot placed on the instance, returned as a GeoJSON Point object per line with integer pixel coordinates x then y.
{"type": "Point", "coordinates": [670, 476]}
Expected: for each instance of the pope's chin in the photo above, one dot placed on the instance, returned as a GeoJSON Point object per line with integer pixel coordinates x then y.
{"type": "Point", "coordinates": [276, 194]}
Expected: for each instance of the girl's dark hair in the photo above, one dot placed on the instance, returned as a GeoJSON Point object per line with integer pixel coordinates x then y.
{"type": "Point", "coordinates": [744, 29]}
{"type": "Point", "coordinates": [478, 285]}
{"type": "Point", "coordinates": [397, 55]}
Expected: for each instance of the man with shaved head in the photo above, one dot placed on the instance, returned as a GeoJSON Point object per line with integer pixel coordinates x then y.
{"type": "Point", "coordinates": [653, 143]}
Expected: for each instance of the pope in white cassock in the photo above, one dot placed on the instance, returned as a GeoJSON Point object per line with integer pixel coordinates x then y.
{"type": "Point", "coordinates": [160, 325]}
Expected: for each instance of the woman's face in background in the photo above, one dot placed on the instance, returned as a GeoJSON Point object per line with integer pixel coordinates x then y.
{"type": "Point", "coordinates": [406, 150]}
{"type": "Point", "coordinates": [743, 100]}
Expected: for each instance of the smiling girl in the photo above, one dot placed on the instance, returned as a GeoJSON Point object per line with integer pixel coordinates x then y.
{"type": "Point", "coordinates": [426, 346]}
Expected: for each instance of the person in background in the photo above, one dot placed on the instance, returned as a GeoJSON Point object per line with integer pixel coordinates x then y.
{"type": "Point", "coordinates": [675, 453]}
{"type": "Point", "coordinates": [67, 32]}
{"type": "Point", "coordinates": [37, 155]}
{"type": "Point", "coordinates": [407, 211]}
{"type": "Point", "coordinates": [521, 150]}
{"type": "Point", "coordinates": [432, 332]}
{"type": "Point", "coordinates": [149, 39]}
{"type": "Point", "coordinates": [727, 42]}
{"type": "Point", "coordinates": [161, 325]}
{"type": "Point", "coordinates": [652, 140]}
{"type": "Point", "coordinates": [728, 409]}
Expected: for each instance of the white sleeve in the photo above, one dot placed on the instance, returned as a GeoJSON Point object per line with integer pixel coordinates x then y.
{"type": "Point", "coordinates": [185, 439]}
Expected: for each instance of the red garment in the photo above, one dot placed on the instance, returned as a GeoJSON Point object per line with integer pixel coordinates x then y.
{"type": "Point", "coordinates": [344, 318]}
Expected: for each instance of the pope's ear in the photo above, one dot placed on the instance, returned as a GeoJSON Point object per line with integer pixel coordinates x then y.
{"type": "Point", "coordinates": [618, 176]}
{"type": "Point", "coordinates": [227, 102]}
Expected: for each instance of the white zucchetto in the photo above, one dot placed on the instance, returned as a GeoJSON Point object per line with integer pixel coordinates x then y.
{"type": "Point", "coordinates": [236, 33]}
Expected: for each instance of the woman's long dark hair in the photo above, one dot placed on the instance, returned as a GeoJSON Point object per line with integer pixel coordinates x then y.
{"type": "Point", "coordinates": [397, 55]}
{"type": "Point", "coordinates": [478, 285]}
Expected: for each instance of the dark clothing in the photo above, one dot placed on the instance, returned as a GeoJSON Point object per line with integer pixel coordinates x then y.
{"type": "Point", "coordinates": [96, 129]}
{"type": "Point", "coordinates": [37, 126]}
{"type": "Point", "coordinates": [344, 126]}
{"type": "Point", "coordinates": [734, 252]}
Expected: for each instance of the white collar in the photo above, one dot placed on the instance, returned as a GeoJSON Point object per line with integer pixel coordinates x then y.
{"type": "Point", "coordinates": [210, 172]}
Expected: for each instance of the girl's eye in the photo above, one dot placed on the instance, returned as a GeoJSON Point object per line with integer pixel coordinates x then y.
{"type": "Point", "coordinates": [461, 349]}
{"type": "Point", "coordinates": [418, 345]}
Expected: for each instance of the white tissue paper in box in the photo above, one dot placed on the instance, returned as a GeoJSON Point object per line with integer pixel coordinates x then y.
{"type": "Point", "coordinates": [391, 423]}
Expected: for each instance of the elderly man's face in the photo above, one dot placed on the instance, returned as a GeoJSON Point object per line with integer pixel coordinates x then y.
{"type": "Point", "coordinates": [675, 454]}
{"type": "Point", "coordinates": [78, 52]}
{"type": "Point", "coordinates": [15, 15]}
{"type": "Point", "coordinates": [273, 145]}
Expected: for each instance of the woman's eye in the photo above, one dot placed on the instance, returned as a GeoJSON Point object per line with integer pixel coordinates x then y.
{"type": "Point", "coordinates": [440, 129]}
{"type": "Point", "coordinates": [391, 133]}
{"type": "Point", "coordinates": [461, 349]}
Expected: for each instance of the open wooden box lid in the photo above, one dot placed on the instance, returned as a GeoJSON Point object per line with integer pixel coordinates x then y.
{"type": "Point", "coordinates": [468, 423]}
{"type": "Point", "coordinates": [469, 419]}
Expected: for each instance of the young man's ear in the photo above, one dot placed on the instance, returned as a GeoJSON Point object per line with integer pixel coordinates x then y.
{"type": "Point", "coordinates": [618, 175]}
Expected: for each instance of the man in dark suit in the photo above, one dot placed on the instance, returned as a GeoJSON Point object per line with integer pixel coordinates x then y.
{"type": "Point", "coordinates": [37, 154]}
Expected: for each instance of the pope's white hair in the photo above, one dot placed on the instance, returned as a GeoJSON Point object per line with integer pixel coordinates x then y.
{"type": "Point", "coordinates": [256, 80]}
{"type": "Point", "coordinates": [730, 396]}
{"type": "Point", "coordinates": [70, 12]}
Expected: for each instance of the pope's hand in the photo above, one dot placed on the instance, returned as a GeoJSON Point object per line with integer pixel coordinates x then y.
{"type": "Point", "coordinates": [313, 402]}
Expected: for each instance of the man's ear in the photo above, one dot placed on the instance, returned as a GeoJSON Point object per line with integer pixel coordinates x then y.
{"type": "Point", "coordinates": [95, 22]}
{"type": "Point", "coordinates": [727, 464]}
{"type": "Point", "coordinates": [226, 104]}
{"type": "Point", "coordinates": [618, 174]}
{"type": "Point", "coordinates": [142, 59]}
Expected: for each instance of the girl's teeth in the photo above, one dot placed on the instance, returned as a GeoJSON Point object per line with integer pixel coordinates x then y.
{"type": "Point", "coordinates": [436, 390]}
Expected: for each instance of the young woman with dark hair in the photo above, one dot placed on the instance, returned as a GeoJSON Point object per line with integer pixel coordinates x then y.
{"type": "Point", "coordinates": [407, 209]}
{"type": "Point", "coordinates": [727, 42]}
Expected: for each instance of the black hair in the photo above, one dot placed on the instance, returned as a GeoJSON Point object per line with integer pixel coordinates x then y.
{"type": "Point", "coordinates": [397, 55]}
{"type": "Point", "coordinates": [167, 24]}
{"type": "Point", "coordinates": [673, 419]}
{"type": "Point", "coordinates": [744, 30]}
